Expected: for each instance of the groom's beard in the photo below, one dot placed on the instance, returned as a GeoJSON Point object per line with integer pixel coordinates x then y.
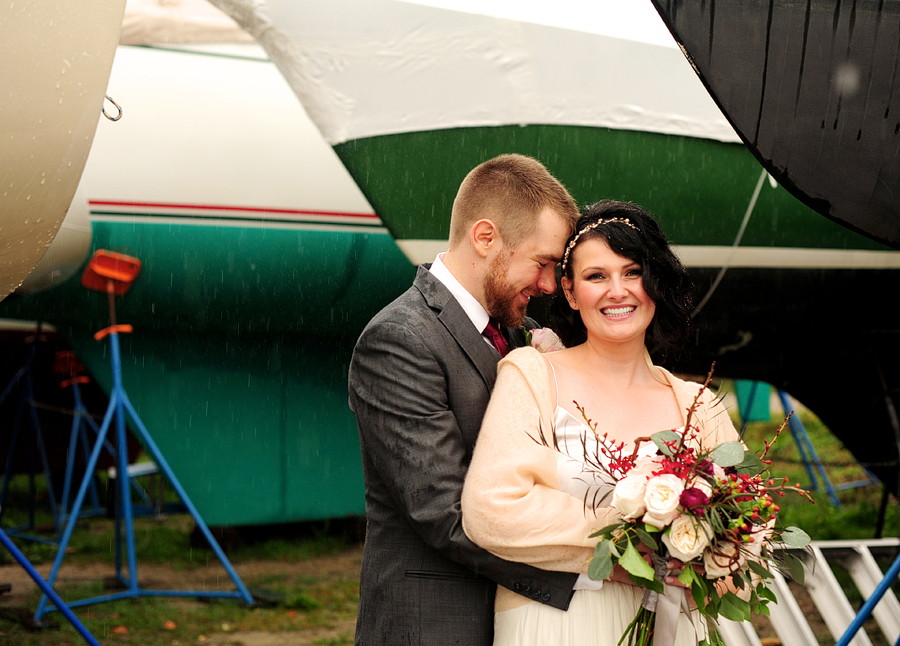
{"type": "Point", "coordinates": [500, 296]}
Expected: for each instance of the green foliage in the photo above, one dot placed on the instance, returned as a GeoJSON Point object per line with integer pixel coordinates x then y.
{"type": "Point", "coordinates": [646, 539]}
{"type": "Point", "coordinates": [728, 454]}
{"type": "Point", "coordinates": [734, 608]}
{"type": "Point", "coordinates": [795, 537]}
{"type": "Point", "coordinates": [634, 563]}
{"type": "Point", "coordinates": [601, 566]}
{"type": "Point", "coordinates": [751, 464]}
{"type": "Point", "coordinates": [664, 440]}
{"type": "Point", "coordinates": [822, 520]}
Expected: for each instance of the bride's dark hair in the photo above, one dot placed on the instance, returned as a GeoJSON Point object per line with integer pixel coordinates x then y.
{"type": "Point", "coordinates": [665, 280]}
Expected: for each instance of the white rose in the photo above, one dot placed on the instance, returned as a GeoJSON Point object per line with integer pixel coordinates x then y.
{"type": "Point", "coordinates": [628, 496]}
{"type": "Point", "coordinates": [687, 538]}
{"type": "Point", "coordinates": [722, 559]}
{"type": "Point", "coordinates": [760, 536]}
{"type": "Point", "coordinates": [545, 340]}
{"type": "Point", "coordinates": [661, 499]}
{"type": "Point", "coordinates": [644, 466]}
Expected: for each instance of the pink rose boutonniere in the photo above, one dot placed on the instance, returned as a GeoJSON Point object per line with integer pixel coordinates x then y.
{"type": "Point", "coordinates": [543, 339]}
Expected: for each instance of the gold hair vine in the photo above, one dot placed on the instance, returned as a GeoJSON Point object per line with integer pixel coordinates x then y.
{"type": "Point", "coordinates": [592, 225]}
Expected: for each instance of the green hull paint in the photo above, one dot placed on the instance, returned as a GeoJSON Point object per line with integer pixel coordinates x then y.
{"type": "Point", "coordinates": [698, 189]}
{"type": "Point", "coordinates": [234, 365]}
{"type": "Point", "coordinates": [238, 280]}
{"type": "Point", "coordinates": [256, 428]}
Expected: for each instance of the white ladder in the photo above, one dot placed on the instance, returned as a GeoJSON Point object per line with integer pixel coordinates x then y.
{"type": "Point", "coordinates": [788, 619]}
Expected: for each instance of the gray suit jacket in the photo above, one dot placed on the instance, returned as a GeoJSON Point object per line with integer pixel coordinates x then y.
{"type": "Point", "coordinates": [420, 380]}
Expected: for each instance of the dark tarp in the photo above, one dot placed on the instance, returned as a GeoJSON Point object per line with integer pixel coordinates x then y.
{"type": "Point", "coordinates": [812, 87]}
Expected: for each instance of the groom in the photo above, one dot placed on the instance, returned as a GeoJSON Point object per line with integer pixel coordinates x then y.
{"type": "Point", "coordinates": [420, 379]}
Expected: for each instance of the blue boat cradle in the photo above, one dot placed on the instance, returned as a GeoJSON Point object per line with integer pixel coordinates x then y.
{"type": "Point", "coordinates": [114, 273]}
{"type": "Point", "coordinates": [47, 590]}
{"type": "Point", "coordinates": [753, 400]}
{"type": "Point", "coordinates": [26, 431]}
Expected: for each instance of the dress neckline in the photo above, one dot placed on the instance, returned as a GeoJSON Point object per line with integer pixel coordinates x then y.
{"type": "Point", "coordinates": [581, 422]}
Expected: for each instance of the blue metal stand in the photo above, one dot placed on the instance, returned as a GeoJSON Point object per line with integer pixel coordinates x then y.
{"type": "Point", "coordinates": [23, 378]}
{"type": "Point", "coordinates": [119, 404]}
{"type": "Point", "coordinates": [892, 574]}
{"type": "Point", "coordinates": [808, 452]}
{"type": "Point", "coordinates": [48, 591]}
{"type": "Point", "coordinates": [81, 419]}
{"type": "Point", "coordinates": [814, 468]}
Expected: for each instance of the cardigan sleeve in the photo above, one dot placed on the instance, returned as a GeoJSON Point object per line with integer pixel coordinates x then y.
{"type": "Point", "coordinates": [512, 503]}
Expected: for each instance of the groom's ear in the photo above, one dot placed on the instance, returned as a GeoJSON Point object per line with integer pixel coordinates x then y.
{"type": "Point", "coordinates": [485, 237]}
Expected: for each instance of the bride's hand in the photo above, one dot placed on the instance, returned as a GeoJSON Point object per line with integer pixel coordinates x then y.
{"type": "Point", "coordinates": [620, 574]}
{"type": "Point", "coordinates": [675, 569]}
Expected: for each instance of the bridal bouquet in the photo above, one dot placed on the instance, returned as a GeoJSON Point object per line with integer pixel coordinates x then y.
{"type": "Point", "coordinates": [714, 510]}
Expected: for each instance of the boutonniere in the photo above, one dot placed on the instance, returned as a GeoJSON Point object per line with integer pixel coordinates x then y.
{"type": "Point", "coordinates": [543, 339]}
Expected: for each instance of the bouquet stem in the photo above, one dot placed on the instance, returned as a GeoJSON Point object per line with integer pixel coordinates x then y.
{"type": "Point", "coordinates": [640, 631]}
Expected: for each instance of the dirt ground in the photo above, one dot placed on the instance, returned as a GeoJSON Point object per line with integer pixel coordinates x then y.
{"type": "Point", "coordinates": [211, 577]}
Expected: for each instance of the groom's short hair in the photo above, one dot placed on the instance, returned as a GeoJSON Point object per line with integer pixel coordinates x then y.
{"type": "Point", "coordinates": [510, 190]}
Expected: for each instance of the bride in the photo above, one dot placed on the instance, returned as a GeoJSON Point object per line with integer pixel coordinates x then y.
{"type": "Point", "coordinates": [624, 290]}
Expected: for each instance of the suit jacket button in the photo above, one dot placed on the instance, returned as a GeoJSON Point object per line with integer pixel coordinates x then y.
{"type": "Point", "coordinates": [546, 598]}
{"type": "Point", "coordinates": [527, 589]}
{"type": "Point", "coordinates": [537, 594]}
{"type": "Point", "coordinates": [517, 586]}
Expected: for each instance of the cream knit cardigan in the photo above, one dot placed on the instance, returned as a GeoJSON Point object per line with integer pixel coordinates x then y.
{"type": "Point", "coordinates": [512, 503]}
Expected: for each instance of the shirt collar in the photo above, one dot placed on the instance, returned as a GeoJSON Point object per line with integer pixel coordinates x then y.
{"type": "Point", "coordinates": [473, 309]}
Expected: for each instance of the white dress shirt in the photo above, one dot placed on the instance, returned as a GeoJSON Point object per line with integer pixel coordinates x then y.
{"type": "Point", "coordinates": [473, 309]}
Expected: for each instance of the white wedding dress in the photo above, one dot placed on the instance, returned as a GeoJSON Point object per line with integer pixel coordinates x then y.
{"type": "Point", "coordinates": [595, 617]}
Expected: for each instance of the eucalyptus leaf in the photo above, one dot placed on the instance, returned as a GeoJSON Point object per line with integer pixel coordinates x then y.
{"type": "Point", "coordinates": [632, 561]}
{"type": "Point", "coordinates": [614, 550]}
{"type": "Point", "coordinates": [646, 539]}
{"type": "Point", "coordinates": [601, 567]}
{"type": "Point", "coordinates": [734, 608]}
{"type": "Point", "coordinates": [795, 537]}
{"type": "Point", "coordinates": [728, 454]}
{"type": "Point", "coordinates": [795, 568]}
{"type": "Point", "coordinates": [660, 439]}
{"type": "Point", "coordinates": [751, 464]}
{"type": "Point", "coordinates": [606, 531]}
{"type": "Point", "coordinates": [759, 569]}
{"type": "Point", "coordinates": [601, 549]}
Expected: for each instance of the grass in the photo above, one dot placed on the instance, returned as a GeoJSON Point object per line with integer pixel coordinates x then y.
{"type": "Point", "coordinates": [858, 511]}
{"type": "Point", "coordinates": [306, 602]}
{"type": "Point", "coordinates": [280, 565]}
{"type": "Point", "coordinates": [320, 603]}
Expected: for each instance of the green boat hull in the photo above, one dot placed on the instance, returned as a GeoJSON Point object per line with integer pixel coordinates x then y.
{"type": "Point", "coordinates": [698, 189]}
{"type": "Point", "coordinates": [245, 389]}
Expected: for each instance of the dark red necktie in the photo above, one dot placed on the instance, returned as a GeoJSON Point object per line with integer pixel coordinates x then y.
{"type": "Point", "coordinates": [492, 332]}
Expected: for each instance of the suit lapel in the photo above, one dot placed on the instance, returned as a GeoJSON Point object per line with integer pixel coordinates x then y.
{"type": "Point", "coordinates": [453, 317]}
{"type": "Point", "coordinates": [516, 337]}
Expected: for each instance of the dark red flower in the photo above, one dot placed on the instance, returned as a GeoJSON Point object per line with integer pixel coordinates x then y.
{"type": "Point", "coordinates": [694, 500]}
